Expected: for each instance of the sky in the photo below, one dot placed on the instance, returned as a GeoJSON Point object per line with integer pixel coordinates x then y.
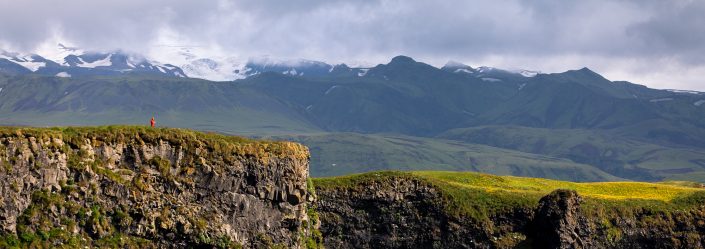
{"type": "Point", "coordinates": [657, 43]}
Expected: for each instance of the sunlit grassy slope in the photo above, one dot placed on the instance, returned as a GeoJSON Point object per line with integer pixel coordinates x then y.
{"type": "Point", "coordinates": [665, 191]}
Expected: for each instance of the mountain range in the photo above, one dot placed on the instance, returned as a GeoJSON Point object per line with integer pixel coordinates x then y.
{"type": "Point", "coordinates": [575, 125]}
{"type": "Point", "coordinates": [66, 61]}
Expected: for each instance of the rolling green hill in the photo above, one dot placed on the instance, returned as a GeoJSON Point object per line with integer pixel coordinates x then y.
{"type": "Point", "coordinates": [187, 103]}
{"type": "Point", "coordinates": [346, 153]}
{"type": "Point", "coordinates": [617, 155]}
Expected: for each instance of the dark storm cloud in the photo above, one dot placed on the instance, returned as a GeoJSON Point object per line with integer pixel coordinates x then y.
{"type": "Point", "coordinates": [93, 24]}
{"type": "Point", "coordinates": [677, 30]}
{"type": "Point", "coordinates": [619, 37]}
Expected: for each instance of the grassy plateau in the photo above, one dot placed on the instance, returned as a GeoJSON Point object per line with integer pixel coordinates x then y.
{"type": "Point", "coordinates": [479, 196]}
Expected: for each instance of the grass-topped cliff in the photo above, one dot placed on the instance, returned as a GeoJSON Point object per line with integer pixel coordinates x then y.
{"type": "Point", "coordinates": [137, 187]}
{"type": "Point", "coordinates": [501, 211]}
{"type": "Point", "coordinates": [234, 145]}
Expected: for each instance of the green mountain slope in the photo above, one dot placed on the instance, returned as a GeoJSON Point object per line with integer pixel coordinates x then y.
{"type": "Point", "coordinates": [188, 103]}
{"type": "Point", "coordinates": [346, 153]}
{"type": "Point", "coordinates": [403, 96]}
{"type": "Point", "coordinates": [660, 134]}
{"type": "Point", "coordinates": [611, 153]}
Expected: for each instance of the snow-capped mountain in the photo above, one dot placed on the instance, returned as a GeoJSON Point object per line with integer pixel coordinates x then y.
{"type": "Point", "coordinates": [197, 64]}
{"type": "Point", "coordinates": [20, 63]}
{"type": "Point", "coordinates": [483, 71]}
{"type": "Point", "coordinates": [290, 67]}
{"type": "Point", "coordinates": [67, 62]}
{"type": "Point", "coordinates": [457, 67]}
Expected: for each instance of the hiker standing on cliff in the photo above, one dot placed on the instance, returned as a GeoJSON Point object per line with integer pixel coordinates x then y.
{"type": "Point", "coordinates": [152, 122]}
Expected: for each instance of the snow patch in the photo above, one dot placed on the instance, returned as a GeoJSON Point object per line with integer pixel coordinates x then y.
{"type": "Point", "coordinates": [454, 64]}
{"type": "Point", "coordinates": [105, 62]}
{"type": "Point", "coordinates": [58, 53]}
{"type": "Point", "coordinates": [268, 61]}
{"type": "Point", "coordinates": [63, 75]}
{"type": "Point", "coordinates": [522, 86]}
{"type": "Point", "coordinates": [330, 89]}
{"type": "Point", "coordinates": [485, 69]}
{"type": "Point", "coordinates": [697, 103]}
{"type": "Point", "coordinates": [308, 108]}
{"type": "Point", "coordinates": [660, 100]}
{"type": "Point", "coordinates": [0, 89]}
{"type": "Point", "coordinates": [491, 79]}
{"type": "Point", "coordinates": [363, 72]}
{"type": "Point", "coordinates": [27, 61]}
{"type": "Point", "coordinates": [528, 74]}
{"type": "Point", "coordinates": [683, 91]}
{"type": "Point", "coordinates": [32, 66]}
{"type": "Point", "coordinates": [463, 70]}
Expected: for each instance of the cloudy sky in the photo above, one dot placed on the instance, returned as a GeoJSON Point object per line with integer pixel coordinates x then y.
{"type": "Point", "coordinates": [657, 43]}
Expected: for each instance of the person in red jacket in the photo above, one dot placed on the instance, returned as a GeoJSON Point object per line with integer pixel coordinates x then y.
{"type": "Point", "coordinates": [152, 122]}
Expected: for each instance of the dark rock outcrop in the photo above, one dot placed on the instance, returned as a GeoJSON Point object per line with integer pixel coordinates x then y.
{"type": "Point", "coordinates": [151, 188]}
{"type": "Point", "coordinates": [558, 222]}
{"type": "Point", "coordinates": [403, 211]}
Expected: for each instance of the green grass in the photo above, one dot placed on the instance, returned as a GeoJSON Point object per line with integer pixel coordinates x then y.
{"type": "Point", "coordinates": [347, 153]}
{"type": "Point", "coordinates": [188, 139]}
{"type": "Point", "coordinates": [599, 190]}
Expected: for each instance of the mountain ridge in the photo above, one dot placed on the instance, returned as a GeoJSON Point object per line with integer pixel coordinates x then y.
{"type": "Point", "coordinates": [408, 100]}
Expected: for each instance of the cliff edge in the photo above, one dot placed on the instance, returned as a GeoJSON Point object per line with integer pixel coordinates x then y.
{"type": "Point", "coordinates": [473, 210]}
{"type": "Point", "coordinates": [136, 187]}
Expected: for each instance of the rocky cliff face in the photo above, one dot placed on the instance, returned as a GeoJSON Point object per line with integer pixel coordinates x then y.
{"type": "Point", "coordinates": [404, 212]}
{"type": "Point", "coordinates": [129, 187]}
{"type": "Point", "coordinates": [136, 187]}
{"type": "Point", "coordinates": [401, 211]}
{"type": "Point", "coordinates": [561, 222]}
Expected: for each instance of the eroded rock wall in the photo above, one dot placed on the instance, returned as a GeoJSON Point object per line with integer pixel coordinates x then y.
{"type": "Point", "coordinates": [402, 212]}
{"type": "Point", "coordinates": [407, 212]}
{"type": "Point", "coordinates": [170, 189]}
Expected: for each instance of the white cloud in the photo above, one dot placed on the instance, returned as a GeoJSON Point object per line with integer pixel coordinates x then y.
{"type": "Point", "coordinates": [622, 39]}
